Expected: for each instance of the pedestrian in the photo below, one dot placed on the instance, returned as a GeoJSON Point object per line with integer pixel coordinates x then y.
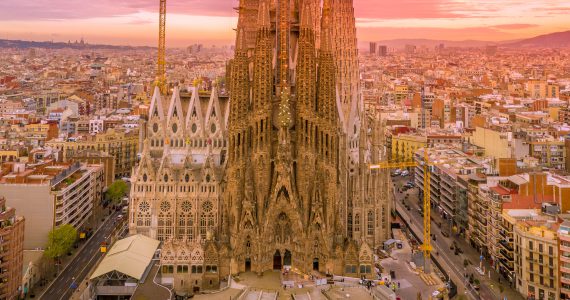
{"type": "Point", "coordinates": [398, 284]}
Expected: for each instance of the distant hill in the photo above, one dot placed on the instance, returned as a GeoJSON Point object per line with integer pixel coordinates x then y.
{"type": "Point", "coordinates": [57, 45]}
{"type": "Point", "coordinates": [401, 43]}
{"type": "Point", "coordinates": [551, 40]}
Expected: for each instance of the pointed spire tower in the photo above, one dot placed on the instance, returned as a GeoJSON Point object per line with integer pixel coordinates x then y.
{"type": "Point", "coordinates": [326, 97]}
{"type": "Point", "coordinates": [346, 57]}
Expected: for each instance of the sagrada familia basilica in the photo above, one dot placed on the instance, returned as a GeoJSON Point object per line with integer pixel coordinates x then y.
{"type": "Point", "coordinates": [277, 176]}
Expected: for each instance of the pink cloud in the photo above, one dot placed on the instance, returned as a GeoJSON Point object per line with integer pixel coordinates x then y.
{"type": "Point", "coordinates": [420, 9]}
{"type": "Point", "coordinates": [514, 26]}
{"type": "Point", "coordinates": [78, 9]}
{"type": "Point", "coordinates": [82, 9]}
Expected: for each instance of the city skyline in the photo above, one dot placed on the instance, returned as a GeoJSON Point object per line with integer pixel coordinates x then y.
{"type": "Point", "coordinates": [131, 23]}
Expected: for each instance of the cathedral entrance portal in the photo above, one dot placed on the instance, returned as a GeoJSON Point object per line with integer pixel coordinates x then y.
{"type": "Point", "coordinates": [277, 264]}
{"type": "Point", "coordinates": [248, 264]}
{"type": "Point", "coordinates": [287, 258]}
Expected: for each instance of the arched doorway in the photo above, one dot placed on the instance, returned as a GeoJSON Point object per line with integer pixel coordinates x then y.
{"type": "Point", "coordinates": [315, 264]}
{"type": "Point", "coordinates": [277, 264]}
{"type": "Point", "coordinates": [248, 264]}
{"type": "Point", "coordinates": [287, 258]}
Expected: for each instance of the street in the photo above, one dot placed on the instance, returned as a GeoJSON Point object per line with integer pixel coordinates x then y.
{"type": "Point", "coordinates": [66, 282]}
{"type": "Point", "coordinates": [454, 273]}
{"type": "Point", "coordinates": [442, 246]}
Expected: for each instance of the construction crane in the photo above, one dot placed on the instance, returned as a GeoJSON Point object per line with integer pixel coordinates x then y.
{"type": "Point", "coordinates": [161, 61]}
{"type": "Point", "coordinates": [426, 245]}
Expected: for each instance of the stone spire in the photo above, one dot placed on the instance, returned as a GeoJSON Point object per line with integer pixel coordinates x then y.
{"type": "Point", "coordinates": [345, 51]}
{"type": "Point", "coordinates": [264, 17]}
{"type": "Point", "coordinates": [262, 76]}
{"type": "Point", "coordinates": [306, 62]}
{"type": "Point", "coordinates": [326, 97]}
{"type": "Point", "coordinates": [283, 38]}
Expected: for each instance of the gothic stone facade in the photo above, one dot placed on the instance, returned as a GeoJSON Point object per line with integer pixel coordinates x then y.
{"type": "Point", "coordinates": [296, 189]}
{"type": "Point", "coordinates": [299, 190]}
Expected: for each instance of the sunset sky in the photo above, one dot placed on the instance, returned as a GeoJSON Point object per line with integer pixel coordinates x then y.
{"type": "Point", "coordinates": [134, 22]}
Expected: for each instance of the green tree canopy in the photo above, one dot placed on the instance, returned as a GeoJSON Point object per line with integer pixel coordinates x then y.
{"type": "Point", "coordinates": [117, 191]}
{"type": "Point", "coordinates": [60, 241]}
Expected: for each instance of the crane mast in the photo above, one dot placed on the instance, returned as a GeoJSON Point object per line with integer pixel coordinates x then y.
{"type": "Point", "coordinates": [161, 61]}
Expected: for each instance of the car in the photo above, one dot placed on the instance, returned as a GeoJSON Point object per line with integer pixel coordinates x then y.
{"type": "Point", "coordinates": [397, 173]}
{"type": "Point", "coordinates": [405, 173]}
{"type": "Point", "coordinates": [119, 217]}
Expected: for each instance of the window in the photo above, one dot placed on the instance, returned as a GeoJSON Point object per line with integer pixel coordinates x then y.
{"type": "Point", "coordinates": [350, 269]}
{"type": "Point", "coordinates": [167, 269]}
{"type": "Point", "coordinates": [530, 245]}
{"type": "Point", "coordinates": [365, 269]}
{"type": "Point", "coordinates": [349, 224]}
{"type": "Point", "coordinates": [211, 269]}
{"type": "Point", "coordinates": [357, 222]}
{"type": "Point", "coordinates": [196, 269]}
{"type": "Point", "coordinates": [182, 269]}
{"type": "Point", "coordinates": [370, 223]}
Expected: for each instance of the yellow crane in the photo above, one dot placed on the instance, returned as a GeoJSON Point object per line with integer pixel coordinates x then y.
{"type": "Point", "coordinates": [426, 245]}
{"type": "Point", "coordinates": [161, 61]}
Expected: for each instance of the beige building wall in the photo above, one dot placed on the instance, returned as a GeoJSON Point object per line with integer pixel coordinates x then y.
{"type": "Point", "coordinates": [495, 143]}
{"type": "Point", "coordinates": [34, 202]}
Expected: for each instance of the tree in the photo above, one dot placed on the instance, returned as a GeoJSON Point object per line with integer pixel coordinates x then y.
{"type": "Point", "coordinates": [60, 241]}
{"type": "Point", "coordinates": [117, 191]}
{"type": "Point", "coordinates": [465, 262]}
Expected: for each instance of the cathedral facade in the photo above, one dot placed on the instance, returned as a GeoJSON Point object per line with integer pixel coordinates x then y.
{"type": "Point", "coordinates": [278, 176]}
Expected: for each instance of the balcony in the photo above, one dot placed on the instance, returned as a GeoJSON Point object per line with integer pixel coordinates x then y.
{"type": "Point", "coordinates": [506, 245]}
{"type": "Point", "coordinates": [507, 255]}
{"type": "Point", "coordinates": [507, 264]}
{"type": "Point", "coordinates": [564, 280]}
{"type": "Point", "coordinates": [564, 248]}
{"type": "Point", "coordinates": [482, 222]}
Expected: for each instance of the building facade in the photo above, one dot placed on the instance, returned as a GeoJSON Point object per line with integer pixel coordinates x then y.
{"type": "Point", "coordinates": [536, 247]}
{"type": "Point", "coordinates": [564, 253]}
{"type": "Point", "coordinates": [12, 255]}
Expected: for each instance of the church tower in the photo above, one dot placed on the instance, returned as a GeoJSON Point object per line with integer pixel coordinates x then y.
{"type": "Point", "coordinates": [287, 178]}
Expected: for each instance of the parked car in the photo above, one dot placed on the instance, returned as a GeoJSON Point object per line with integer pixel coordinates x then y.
{"type": "Point", "coordinates": [405, 173]}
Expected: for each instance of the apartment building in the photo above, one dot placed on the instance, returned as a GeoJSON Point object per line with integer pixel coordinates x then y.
{"type": "Point", "coordinates": [550, 152]}
{"type": "Point", "coordinates": [564, 259]}
{"type": "Point", "coordinates": [12, 254]}
{"type": "Point", "coordinates": [37, 134]}
{"type": "Point", "coordinates": [449, 177]}
{"type": "Point", "coordinates": [123, 145]}
{"type": "Point", "coordinates": [536, 263]}
{"type": "Point", "coordinates": [51, 194]}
